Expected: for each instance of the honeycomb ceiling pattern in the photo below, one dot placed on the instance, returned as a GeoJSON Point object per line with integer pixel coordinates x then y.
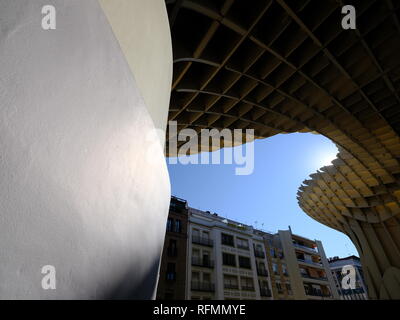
{"type": "Point", "coordinates": [282, 66]}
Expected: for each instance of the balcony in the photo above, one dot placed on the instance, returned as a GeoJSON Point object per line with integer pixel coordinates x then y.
{"type": "Point", "coordinates": [310, 262]}
{"type": "Point", "coordinates": [309, 249]}
{"type": "Point", "coordinates": [351, 291]}
{"type": "Point", "coordinates": [227, 242]}
{"type": "Point", "coordinates": [314, 278]}
{"type": "Point", "coordinates": [202, 241]}
{"type": "Point", "coordinates": [202, 286]}
{"type": "Point", "coordinates": [262, 272]}
{"type": "Point", "coordinates": [248, 288]}
{"type": "Point", "coordinates": [243, 247]}
{"type": "Point", "coordinates": [265, 292]}
{"type": "Point", "coordinates": [172, 252]}
{"type": "Point", "coordinates": [206, 263]}
{"type": "Point", "coordinates": [316, 293]}
{"type": "Point", "coordinates": [231, 286]}
{"type": "Point", "coordinates": [259, 254]}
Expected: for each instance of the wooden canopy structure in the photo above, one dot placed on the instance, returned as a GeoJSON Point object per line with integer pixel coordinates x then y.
{"type": "Point", "coordinates": [282, 66]}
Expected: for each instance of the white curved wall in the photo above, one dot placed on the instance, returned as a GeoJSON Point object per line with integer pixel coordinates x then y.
{"type": "Point", "coordinates": [145, 37]}
{"type": "Point", "coordinates": [77, 189]}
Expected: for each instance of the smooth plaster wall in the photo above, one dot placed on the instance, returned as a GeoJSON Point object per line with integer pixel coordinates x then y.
{"type": "Point", "coordinates": [78, 189]}
{"type": "Point", "coordinates": [145, 37]}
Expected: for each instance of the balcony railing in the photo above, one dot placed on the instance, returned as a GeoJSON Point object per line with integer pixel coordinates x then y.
{"type": "Point", "coordinates": [231, 286]}
{"type": "Point", "coordinates": [248, 288]}
{"type": "Point", "coordinates": [259, 254]}
{"type": "Point", "coordinates": [351, 291]}
{"type": "Point", "coordinates": [202, 286]}
{"type": "Point", "coordinates": [316, 278]}
{"type": "Point", "coordinates": [227, 242]}
{"type": "Point", "coordinates": [242, 246]}
{"type": "Point", "coordinates": [207, 263]}
{"type": "Point", "coordinates": [262, 272]}
{"type": "Point", "coordinates": [202, 241]}
{"type": "Point", "coordinates": [265, 292]}
{"type": "Point", "coordinates": [310, 262]}
{"type": "Point", "coordinates": [317, 293]}
{"type": "Point", "coordinates": [305, 247]}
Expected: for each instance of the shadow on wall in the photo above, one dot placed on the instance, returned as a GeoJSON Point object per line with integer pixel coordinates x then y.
{"type": "Point", "coordinates": [134, 290]}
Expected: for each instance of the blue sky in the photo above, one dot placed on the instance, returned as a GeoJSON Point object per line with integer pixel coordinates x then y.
{"type": "Point", "coordinates": [268, 196]}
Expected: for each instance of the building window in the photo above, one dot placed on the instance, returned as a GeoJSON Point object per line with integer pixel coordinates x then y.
{"type": "Point", "coordinates": [196, 276]}
{"type": "Point", "coordinates": [169, 224]}
{"type": "Point", "coordinates": [261, 269]}
{"type": "Point", "coordinates": [303, 272]}
{"type": "Point", "coordinates": [178, 226]}
{"type": "Point", "coordinates": [244, 262]}
{"type": "Point", "coordinates": [206, 258]}
{"type": "Point", "coordinates": [196, 233]}
{"type": "Point", "coordinates": [206, 278]}
{"type": "Point", "coordinates": [275, 268]}
{"type": "Point", "coordinates": [227, 240]}
{"type": "Point", "coordinates": [284, 270]}
{"type": "Point", "coordinates": [172, 248]}
{"type": "Point", "coordinates": [231, 282]}
{"type": "Point", "coordinates": [279, 287]}
{"type": "Point", "coordinates": [242, 244]}
{"type": "Point", "coordinates": [228, 259]}
{"type": "Point", "coordinates": [171, 274]}
{"type": "Point", "coordinates": [289, 288]}
{"type": "Point", "coordinates": [263, 284]}
{"type": "Point", "coordinates": [247, 283]}
{"type": "Point", "coordinates": [273, 254]}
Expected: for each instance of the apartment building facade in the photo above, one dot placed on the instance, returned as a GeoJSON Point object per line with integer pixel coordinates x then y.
{"type": "Point", "coordinates": [172, 275]}
{"type": "Point", "coordinates": [281, 284]}
{"type": "Point", "coordinates": [308, 267]}
{"type": "Point", "coordinates": [336, 265]}
{"type": "Point", "coordinates": [225, 259]}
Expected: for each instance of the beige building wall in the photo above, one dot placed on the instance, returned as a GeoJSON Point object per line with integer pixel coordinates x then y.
{"type": "Point", "coordinates": [292, 264]}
